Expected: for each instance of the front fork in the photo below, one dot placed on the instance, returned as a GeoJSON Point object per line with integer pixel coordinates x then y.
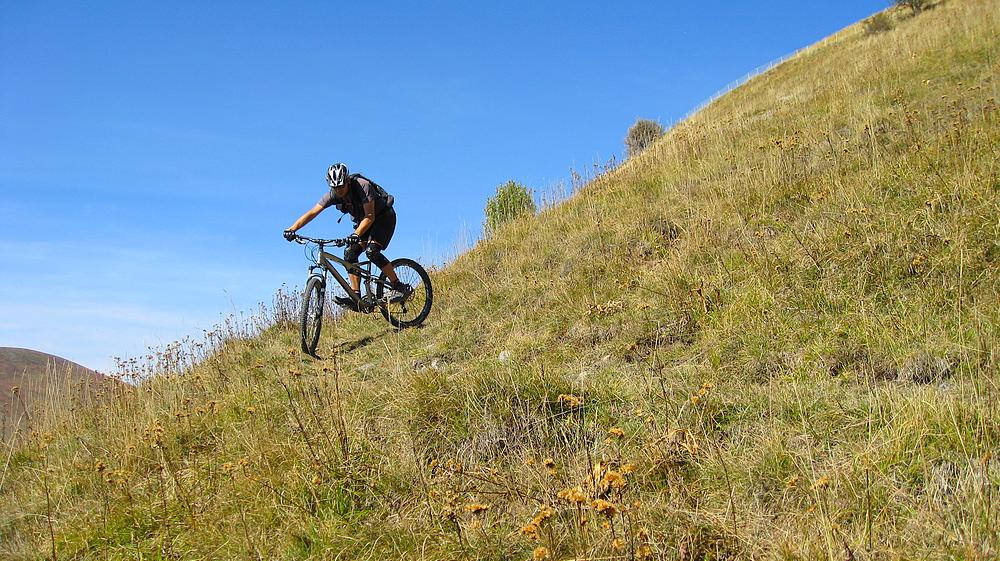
{"type": "Point", "coordinates": [317, 272]}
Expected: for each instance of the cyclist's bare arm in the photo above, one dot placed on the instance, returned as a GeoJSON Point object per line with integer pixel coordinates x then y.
{"type": "Point", "coordinates": [368, 220]}
{"type": "Point", "coordinates": [306, 218]}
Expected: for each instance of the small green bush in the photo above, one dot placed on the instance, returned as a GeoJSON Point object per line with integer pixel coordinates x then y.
{"type": "Point", "coordinates": [511, 201]}
{"type": "Point", "coordinates": [641, 135]}
{"type": "Point", "coordinates": [877, 24]}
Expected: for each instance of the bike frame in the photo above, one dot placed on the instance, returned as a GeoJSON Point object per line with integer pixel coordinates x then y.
{"type": "Point", "coordinates": [325, 262]}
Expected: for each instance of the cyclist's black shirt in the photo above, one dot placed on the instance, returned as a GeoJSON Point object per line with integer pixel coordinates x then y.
{"type": "Point", "coordinates": [359, 192]}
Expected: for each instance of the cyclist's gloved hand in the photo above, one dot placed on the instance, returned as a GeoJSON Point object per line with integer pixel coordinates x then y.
{"type": "Point", "coordinates": [352, 239]}
{"type": "Point", "coordinates": [290, 235]}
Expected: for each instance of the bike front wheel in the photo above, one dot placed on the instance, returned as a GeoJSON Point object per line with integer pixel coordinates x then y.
{"type": "Point", "coordinates": [312, 314]}
{"type": "Point", "coordinates": [408, 310]}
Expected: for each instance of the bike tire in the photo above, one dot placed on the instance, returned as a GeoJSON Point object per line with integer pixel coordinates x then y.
{"type": "Point", "coordinates": [412, 311]}
{"type": "Point", "coordinates": [311, 320]}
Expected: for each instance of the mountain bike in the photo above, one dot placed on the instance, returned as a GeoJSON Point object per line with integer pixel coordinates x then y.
{"type": "Point", "coordinates": [401, 308]}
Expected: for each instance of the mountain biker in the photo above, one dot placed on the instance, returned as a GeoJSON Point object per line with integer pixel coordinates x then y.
{"type": "Point", "coordinates": [374, 223]}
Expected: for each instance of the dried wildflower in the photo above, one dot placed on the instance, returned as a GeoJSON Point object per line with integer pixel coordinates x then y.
{"type": "Point", "coordinates": [792, 482]}
{"type": "Point", "coordinates": [616, 431]}
{"type": "Point", "coordinates": [573, 495]}
{"type": "Point", "coordinates": [153, 434]}
{"type": "Point", "coordinates": [604, 507]}
{"type": "Point", "coordinates": [529, 462]}
{"type": "Point", "coordinates": [100, 466]}
{"type": "Point", "coordinates": [549, 463]}
{"type": "Point", "coordinates": [570, 400]}
{"type": "Point", "coordinates": [545, 513]}
{"type": "Point", "coordinates": [695, 399]}
{"type": "Point", "coordinates": [227, 467]}
{"type": "Point", "coordinates": [617, 543]}
{"type": "Point", "coordinates": [821, 483]}
{"type": "Point", "coordinates": [477, 508]}
{"type": "Point", "coordinates": [251, 409]}
{"type": "Point", "coordinates": [613, 479]}
{"type": "Point", "coordinates": [532, 528]}
{"type": "Point", "coordinates": [541, 553]}
{"type": "Point", "coordinates": [627, 469]}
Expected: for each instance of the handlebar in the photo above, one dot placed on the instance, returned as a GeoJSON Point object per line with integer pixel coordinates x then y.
{"type": "Point", "coordinates": [339, 242]}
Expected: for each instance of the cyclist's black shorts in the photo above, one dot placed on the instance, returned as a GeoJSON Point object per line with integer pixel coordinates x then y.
{"type": "Point", "coordinates": [383, 228]}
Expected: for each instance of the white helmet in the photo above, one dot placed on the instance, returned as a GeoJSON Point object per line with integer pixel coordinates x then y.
{"type": "Point", "coordinates": [336, 175]}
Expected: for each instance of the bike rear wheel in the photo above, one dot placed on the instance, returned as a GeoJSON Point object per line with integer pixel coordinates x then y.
{"type": "Point", "coordinates": [414, 308]}
{"type": "Point", "coordinates": [312, 314]}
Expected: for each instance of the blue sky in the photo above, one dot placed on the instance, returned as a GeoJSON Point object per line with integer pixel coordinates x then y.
{"type": "Point", "coordinates": [152, 153]}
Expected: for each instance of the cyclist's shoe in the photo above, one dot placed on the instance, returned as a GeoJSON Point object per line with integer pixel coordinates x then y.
{"type": "Point", "coordinates": [346, 302]}
{"type": "Point", "coordinates": [400, 291]}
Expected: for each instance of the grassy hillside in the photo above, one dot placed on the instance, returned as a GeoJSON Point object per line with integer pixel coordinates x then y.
{"type": "Point", "coordinates": [773, 335]}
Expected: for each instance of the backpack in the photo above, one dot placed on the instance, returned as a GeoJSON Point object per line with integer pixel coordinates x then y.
{"type": "Point", "coordinates": [379, 191]}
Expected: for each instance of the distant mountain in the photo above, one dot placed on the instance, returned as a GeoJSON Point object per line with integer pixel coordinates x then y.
{"type": "Point", "coordinates": [35, 375]}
